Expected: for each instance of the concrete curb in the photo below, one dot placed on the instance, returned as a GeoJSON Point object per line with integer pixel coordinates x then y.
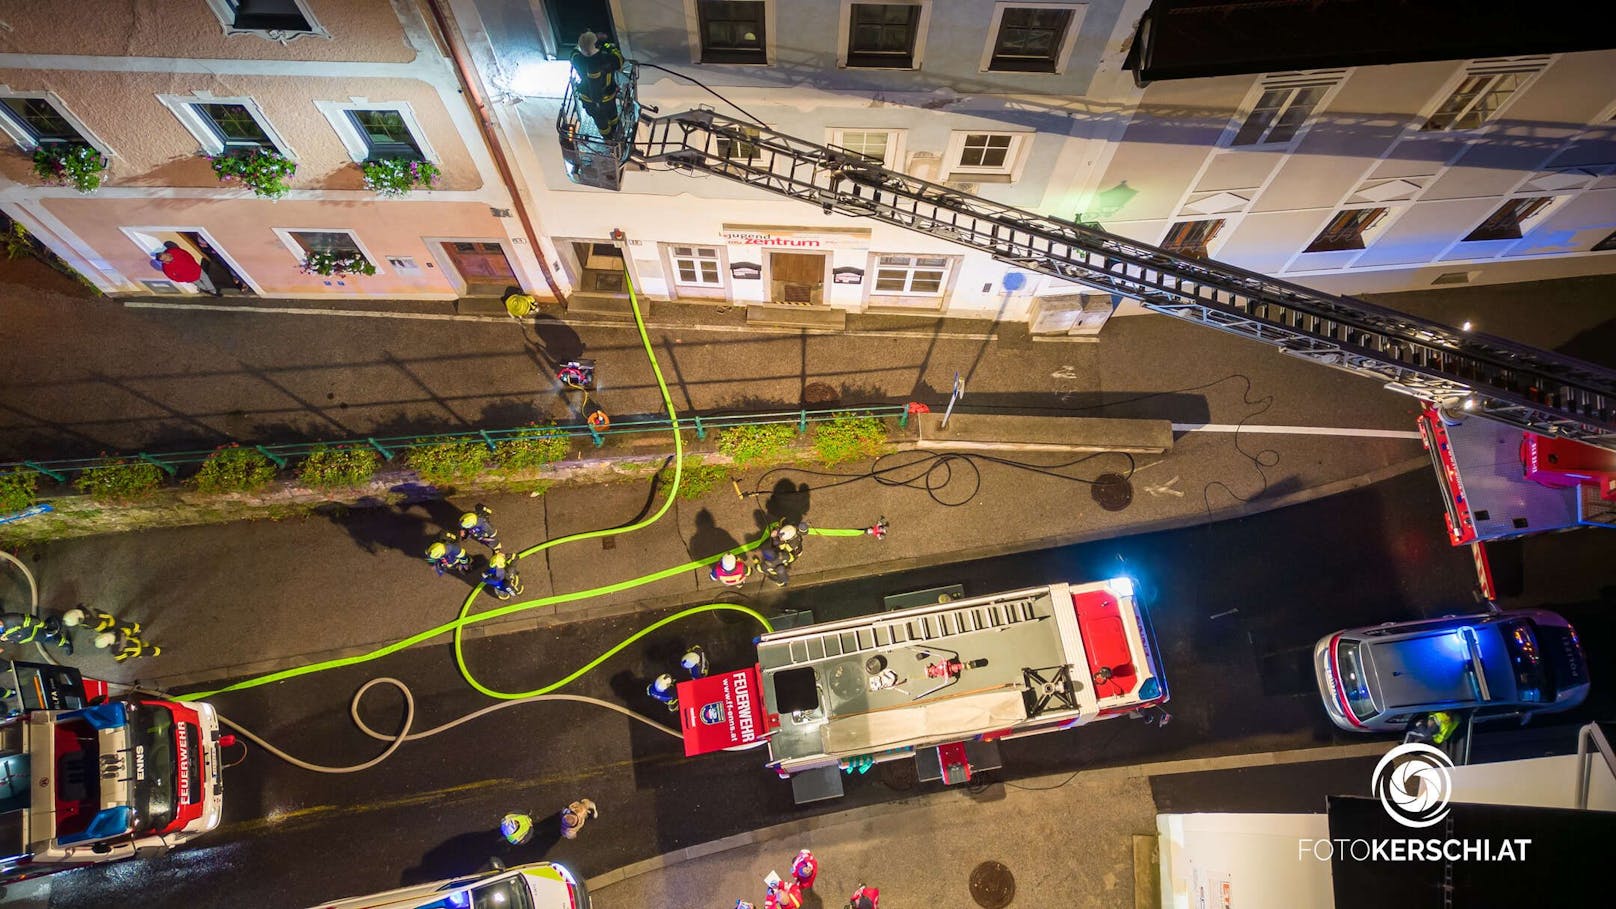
{"type": "Point", "coordinates": [869, 814]}
{"type": "Point", "coordinates": [544, 616]}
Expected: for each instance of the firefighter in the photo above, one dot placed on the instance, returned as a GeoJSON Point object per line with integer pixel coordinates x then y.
{"type": "Point", "coordinates": [475, 524]}
{"type": "Point", "coordinates": [576, 374]}
{"type": "Point", "coordinates": [595, 65]}
{"type": "Point", "coordinates": [125, 646]}
{"type": "Point", "coordinates": [574, 815]}
{"type": "Point", "coordinates": [18, 628]}
{"type": "Point", "coordinates": [805, 868]}
{"type": "Point", "coordinates": [730, 571]}
{"type": "Point", "coordinates": [446, 554]}
{"type": "Point", "coordinates": [865, 898]}
{"type": "Point", "coordinates": [772, 564]}
{"type": "Point", "coordinates": [787, 538]}
{"type": "Point", "coordinates": [500, 578]}
{"type": "Point", "coordinates": [55, 630]}
{"type": "Point", "coordinates": [694, 661]}
{"type": "Point", "coordinates": [516, 828]}
{"type": "Point", "coordinates": [878, 529]}
{"type": "Point", "coordinates": [662, 688]}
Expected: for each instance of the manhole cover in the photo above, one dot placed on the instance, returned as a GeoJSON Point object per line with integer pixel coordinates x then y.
{"type": "Point", "coordinates": [898, 775]}
{"type": "Point", "coordinates": [992, 885]}
{"type": "Point", "coordinates": [1112, 491]}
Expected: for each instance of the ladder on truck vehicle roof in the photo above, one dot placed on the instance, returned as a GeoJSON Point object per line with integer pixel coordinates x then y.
{"type": "Point", "coordinates": [1526, 387]}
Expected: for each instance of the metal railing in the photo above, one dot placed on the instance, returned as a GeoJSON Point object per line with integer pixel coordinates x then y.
{"type": "Point", "coordinates": [390, 447]}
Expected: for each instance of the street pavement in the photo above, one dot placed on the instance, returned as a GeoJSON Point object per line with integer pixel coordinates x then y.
{"type": "Point", "coordinates": [230, 601]}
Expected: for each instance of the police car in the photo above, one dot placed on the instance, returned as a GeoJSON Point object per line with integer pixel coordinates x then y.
{"type": "Point", "coordinates": [541, 885]}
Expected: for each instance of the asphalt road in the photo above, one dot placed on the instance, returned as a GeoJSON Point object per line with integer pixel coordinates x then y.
{"type": "Point", "coordinates": [1236, 606]}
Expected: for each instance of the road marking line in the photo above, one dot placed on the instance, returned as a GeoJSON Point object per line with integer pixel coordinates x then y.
{"type": "Point", "coordinates": [1298, 430]}
{"type": "Point", "coordinates": [627, 326]}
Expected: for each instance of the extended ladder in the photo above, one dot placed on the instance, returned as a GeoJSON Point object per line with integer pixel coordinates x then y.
{"type": "Point", "coordinates": [1524, 386]}
{"type": "Point", "coordinates": [918, 627]}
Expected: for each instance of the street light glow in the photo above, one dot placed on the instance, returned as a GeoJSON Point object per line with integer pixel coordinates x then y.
{"type": "Point", "coordinates": [541, 78]}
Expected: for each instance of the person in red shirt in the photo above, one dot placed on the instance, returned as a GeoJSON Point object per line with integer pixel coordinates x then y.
{"type": "Point", "coordinates": [865, 898]}
{"type": "Point", "coordinates": [182, 268]}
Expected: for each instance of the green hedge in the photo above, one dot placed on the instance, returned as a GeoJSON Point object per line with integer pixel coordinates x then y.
{"type": "Point", "coordinates": [760, 444]}
{"type": "Point", "coordinates": [120, 480]}
{"type": "Point", "coordinates": [697, 480]}
{"type": "Point", "coordinates": [534, 447]}
{"type": "Point", "coordinates": [849, 436]}
{"type": "Point", "coordinates": [18, 490]}
{"type": "Point", "coordinates": [330, 468]}
{"type": "Point", "coordinates": [444, 463]}
{"type": "Point", "coordinates": [234, 469]}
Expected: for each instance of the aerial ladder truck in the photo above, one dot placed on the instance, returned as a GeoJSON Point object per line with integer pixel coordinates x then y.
{"type": "Point", "coordinates": [1523, 440]}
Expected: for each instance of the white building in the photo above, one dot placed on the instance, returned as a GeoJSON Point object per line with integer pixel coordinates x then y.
{"type": "Point", "coordinates": [1365, 178]}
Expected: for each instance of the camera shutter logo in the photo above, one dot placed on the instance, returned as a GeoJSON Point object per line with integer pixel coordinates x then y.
{"type": "Point", "coordinates": [1414, 784]}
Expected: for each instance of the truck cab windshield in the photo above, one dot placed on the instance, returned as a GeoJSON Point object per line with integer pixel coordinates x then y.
{"type": "Point", "coordinates": [151, 734]}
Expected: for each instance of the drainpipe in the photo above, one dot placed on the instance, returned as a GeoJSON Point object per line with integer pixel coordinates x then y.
{"type": "Point", "coordinates": [444, 20]}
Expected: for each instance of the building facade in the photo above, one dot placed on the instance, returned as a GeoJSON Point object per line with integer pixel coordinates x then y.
{"type": "Point", "coordinates": [1353, 178]}
{"type": "Point", "coordinates": [327, 85]}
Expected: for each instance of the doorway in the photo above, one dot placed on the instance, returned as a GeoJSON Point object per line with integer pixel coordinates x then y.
{"type": "Point", "coordinates": [797, 278]}
{"type": "Point", "coordinates": [482, 265]}
{"type": "Point", "coordinates": [600, 267]}
{"type": "Point", "coordinates": [216, 265]}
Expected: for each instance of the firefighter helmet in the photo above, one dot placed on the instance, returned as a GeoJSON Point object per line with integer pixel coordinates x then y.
{"type": "Point", "coordinates": [498, 559]}
{"type": "Point", "coordinates": [468, 520]}
{"type": "Point", "coordinates": [437, 551]}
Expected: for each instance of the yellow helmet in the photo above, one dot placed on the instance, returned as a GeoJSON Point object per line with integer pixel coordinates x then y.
{"type": "Point", "coordinates": [436, 551]}
{"type": "Point", "coordinates": [468, 520]}
{"type": "Point", "coordinates": [497, 560]}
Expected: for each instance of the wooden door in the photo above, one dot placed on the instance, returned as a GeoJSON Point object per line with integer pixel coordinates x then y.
{"type": "Point", "coordinates": [481, 262]}
{"type": "Point", "coordinates": [797, 277]}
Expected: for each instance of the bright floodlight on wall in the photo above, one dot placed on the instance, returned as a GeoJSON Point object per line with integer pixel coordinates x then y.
{"type": "Point", "coordinates": [541, 78]}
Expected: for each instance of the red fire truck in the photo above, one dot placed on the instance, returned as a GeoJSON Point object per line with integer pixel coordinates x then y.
{"type": "Point", "coordinates": [1499, 482]}
{"type": "Point", "coordinates": [89, 776]}
{"type": "Point", "coordinates": [941, 683]}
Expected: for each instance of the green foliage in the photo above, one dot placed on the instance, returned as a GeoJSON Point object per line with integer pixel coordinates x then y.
{"type": "Point", "coordinates": [847, 436]}
{"type": "Point", "coordinates": [18, 242]}
{"type": "Point", "coordinates": [325, 263]}
{"type": "Point", "coordinates": [260, 170]}
{"type": "Point", "coordinates": [18, 490]}
{"type": "Point", "coordinates": [68, 164]}
{"type": "Point", "coordinates": [330, 468]}
{"type": "Point", "coordinates": [397, 176]}
{"type": "Point", "coordinates": [234, 469]}
{"type": "Point", "coordinates": [759, 444]}
{"type": "Point", "coordinates": [442, 463]}
{"type": "Point", "coordinates": [698, 478]}
{"type": "Point", "coordinates": [533, 447]}
{"type": "Point", "coordinates": [120, 480]}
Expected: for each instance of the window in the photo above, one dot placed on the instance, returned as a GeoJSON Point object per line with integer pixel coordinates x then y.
{"type": "Point", "coordinates": [279, 20]}
{"type": "Point", "coordinates": [233, 125]}
{"type": "Point", "coordinates": [385, 134]}
{"type": "Point", "coordinates": [1346, 230]}
{"type": "Point", "coordinates": [732, 31]}
{"type": "Point", "coordinates": [986, 150]}
{"type": "Point", "coordinates": [697, 265]}
{"type": "Point", "coordinates": [1606, 245]}
{"type": "Point", "coordinates": [1505, 223]}
{"type": "Point", "coordinates": [871, 143]}
{"type": "Point", "coordinates": [883, 34]}
{"type": "Point", "coordinates": [1030, 39]}
{"type": "Point", "coordinates": [1279, 113]}
{"type": "Point", "coordinates": [730, 147]}
{"type": "Point", "coordinates": [1476, 100]}
{"type": "Point", "coordinates": [899, 275]}
{"type": "Point", "coordinates": [40, 121]}
{"type": "Point", "coordinates": [1191, 238]}
{"type": "Point", "coordinates": [335, 242]}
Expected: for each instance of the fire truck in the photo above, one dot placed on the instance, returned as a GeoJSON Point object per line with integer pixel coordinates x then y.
{"type": "Point", "coordinates": [941, 684]}
{"type": "Point", "coordinates": [89, 775]}
{"type": "Point", "coordinates": [1499, 482]}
